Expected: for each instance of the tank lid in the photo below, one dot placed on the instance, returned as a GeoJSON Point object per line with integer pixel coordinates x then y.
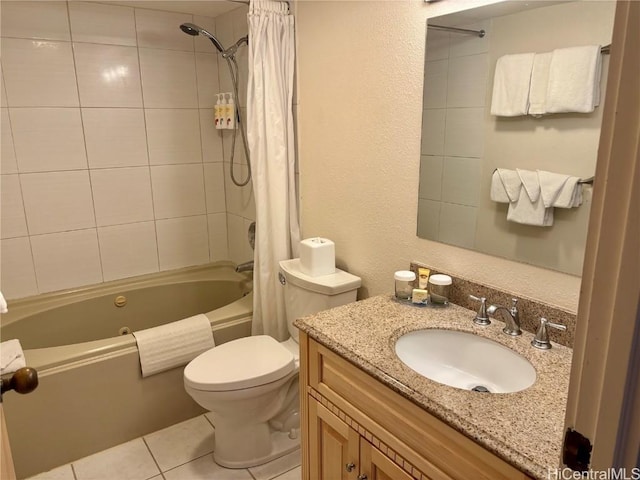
{"type": "Point", "coordinates": [331, 284]}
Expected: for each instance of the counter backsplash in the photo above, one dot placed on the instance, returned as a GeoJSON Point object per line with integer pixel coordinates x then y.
{"type": "Point", "coordinates": [530, 310]}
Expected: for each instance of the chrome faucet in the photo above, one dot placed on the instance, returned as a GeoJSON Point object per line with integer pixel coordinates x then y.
{"type": "Point", "coordinates": [245, 267]}
{"type": "Point", "coordinates": [512, 317]}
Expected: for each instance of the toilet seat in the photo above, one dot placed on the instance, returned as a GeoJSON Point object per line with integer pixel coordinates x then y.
{"type": "Point", "coordinates": [243, 363]}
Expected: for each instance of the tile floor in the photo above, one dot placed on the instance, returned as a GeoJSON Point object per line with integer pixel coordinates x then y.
{"type": "Point", "coordinates": [180, 452]}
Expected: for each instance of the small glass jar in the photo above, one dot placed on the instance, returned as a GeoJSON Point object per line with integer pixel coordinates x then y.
{"type": "Point", "coordinates": [404, 287]}
{"type": "Point", "coordinates": [439, 286]}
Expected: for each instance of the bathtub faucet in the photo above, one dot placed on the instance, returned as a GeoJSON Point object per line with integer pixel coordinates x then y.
{"type": "Point", "coordinates": [245, 267]}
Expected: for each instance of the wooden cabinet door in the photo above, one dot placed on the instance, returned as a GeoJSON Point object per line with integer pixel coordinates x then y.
{"type": "Point", "coordinates": [377, 466]}
{"type": "Point", "coordinates": [333, 446]}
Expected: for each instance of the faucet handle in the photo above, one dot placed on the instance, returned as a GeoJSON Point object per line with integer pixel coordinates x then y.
{"type": "Point", "coordinates": [481, 317]}
{"type": "Point", "coordinates": [541, 339]}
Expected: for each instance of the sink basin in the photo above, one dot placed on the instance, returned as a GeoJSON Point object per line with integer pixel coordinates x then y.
{"type": "Point", "coordinates": [464, 360]}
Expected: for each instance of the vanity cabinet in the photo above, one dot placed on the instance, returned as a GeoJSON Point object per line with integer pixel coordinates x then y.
{"type": "Point", "coordinates": [350, 418]}
{"type": "Point", "coordinates": [339, 452]}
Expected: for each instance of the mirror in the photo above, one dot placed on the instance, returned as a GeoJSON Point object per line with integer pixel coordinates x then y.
{"type": "Point", "coordinates": [462, 143]}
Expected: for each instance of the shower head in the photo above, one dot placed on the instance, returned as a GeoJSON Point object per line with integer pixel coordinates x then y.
{"type": "Point", "coordinates": [194, 30]}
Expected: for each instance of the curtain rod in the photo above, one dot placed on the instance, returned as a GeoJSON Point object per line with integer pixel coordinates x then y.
{"type": "Point", "coordinates": [479, 33]}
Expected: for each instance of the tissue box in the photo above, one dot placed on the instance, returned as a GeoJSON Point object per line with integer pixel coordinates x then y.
{"type": "Point", "coordinates": [317, 257]}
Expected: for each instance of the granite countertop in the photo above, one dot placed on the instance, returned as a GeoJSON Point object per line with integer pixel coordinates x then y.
{"type": "Point", "coordinates": [524, 428]}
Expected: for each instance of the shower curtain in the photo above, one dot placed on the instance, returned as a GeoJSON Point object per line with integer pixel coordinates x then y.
{"type": "Point", "coordinates": [271, 144]}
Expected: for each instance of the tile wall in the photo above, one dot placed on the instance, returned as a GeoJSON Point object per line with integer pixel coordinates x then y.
{"type": "Point", "coordinates": [452, 136]}
{"type": "Point", "coordinates": [110, 165]}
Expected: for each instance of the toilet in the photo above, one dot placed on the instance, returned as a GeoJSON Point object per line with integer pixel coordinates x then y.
{"type": "Point", "coordinates": [250, 385]}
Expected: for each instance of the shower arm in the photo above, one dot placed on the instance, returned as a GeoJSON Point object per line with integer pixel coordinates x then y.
{"type": "Point", "coordinates": [231, 51]}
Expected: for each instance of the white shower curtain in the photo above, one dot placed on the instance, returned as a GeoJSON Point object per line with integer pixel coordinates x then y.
{"type": "Point", "coordinates": [271, 145]}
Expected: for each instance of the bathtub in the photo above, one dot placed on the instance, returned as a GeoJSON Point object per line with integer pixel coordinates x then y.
{"type": "Point", "coordinates": [91, 394]}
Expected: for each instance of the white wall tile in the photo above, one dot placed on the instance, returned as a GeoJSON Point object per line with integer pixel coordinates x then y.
{"type": "Point", "coordinates": [57, 201]}
{"type": "Point", "coordinates": [202, 43]}
{"type": "Point", "coordinates": [66, 260]}
{"type": "Point", "coordinates": [224, 29]}
{"type": "Point", "coordinates": [461, 180]}
{"type": "Point", "coordinates": [12, 220]}
{"type": "Point", "coordinates": [462, 45]}
{"type": "Point", "coordinates": [174, 136]}
{"type": "Point", "coordinates": [39, 73]}
{"type": "Point", "coordinates": [108, 75]}
{"type": "Point", "coordinates": [128, 250]}
{"type": "Point", "coordinates": [433, 130]}
{"type": "Point", "coordinates": [8, 153]}
{"type": "Point", "coordinates": [97, 23]}
{"type": "Point", "coordinates": [18, 277]}
{"type": "Point", "coordinates": [239, 248]}
{"type": "Point", "coordinates": [211, 138]}
{"type": "Point", "coordinates": [214, 187]}
{"type": "Point", "coordinates": [207, 77]}
{"type": "Point", "coordinates": [435, 84]}
{"type": "Point", "coordinates": [115, 137]}
{"type": "Point", "coordinates": [218, 244]}
{"type": "Point", "coordinates": [467, 85]}
{"type": "Point", "coordinates": [437, 45]}
{"type": "Point", "coordinates": [464, 133]}
{"type": "Point", "coordinates": [178, 190]}
{"type": "Point", "coordinates": [428, 219]}
{"type": "Point", "coordinates": [182, 242]}
{"type": "Point", "coordinates": [48, 139]}
{"type": "Point", "coordinates": [168, 79]}
{"type": "Point", "coordinates": [430, 177]}
{"type": "Point", "coordinates": [240, 200]}
{"type": "Point", "coordinates": [458, 225]}
{"type": "Point", "coordinates": [122, 195]}
{"type": "Point", "coordinates": [158, 29]}
{"type": "Point", "coordinates": [45, 20]}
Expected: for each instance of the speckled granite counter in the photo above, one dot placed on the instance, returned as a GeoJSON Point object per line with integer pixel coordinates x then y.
{"type": "Point", "coordinates": [523, 428]}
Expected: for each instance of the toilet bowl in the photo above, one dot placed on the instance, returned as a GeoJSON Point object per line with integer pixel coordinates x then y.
{"type": "Point", "coordinates": [250, 385]}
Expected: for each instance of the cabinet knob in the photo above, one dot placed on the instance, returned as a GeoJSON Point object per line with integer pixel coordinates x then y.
{"type": "Point", "coordinates": [362, 476]}
{"type": "Point", "coordinates": [350, 466]}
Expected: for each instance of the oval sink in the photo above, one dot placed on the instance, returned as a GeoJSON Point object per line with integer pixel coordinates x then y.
{"type": "Point", "coordinates": [464, 360]}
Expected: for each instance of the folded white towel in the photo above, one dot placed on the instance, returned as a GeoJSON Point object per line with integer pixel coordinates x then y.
{"type": "Point", "coordinates": [539, 83]}
{"type": "Point", "coordinates": [3, 304]}
{"type": "Point", "coordinates": [570, 194]}
{"type": "Point", "coordinates": [511, 83]}
{"type": "Point", "coordinates": [11, 356]}
{"type": "Point", "coordinates": [528, 213]}
{"type": "Point", "coordinates": [172, 345]}
{"type": "Point", "coordinates": [507, 185]}
{"type": "Point", "coordinates": [530, 183]}
{"type": "Point", "coordinates": [574, 79]}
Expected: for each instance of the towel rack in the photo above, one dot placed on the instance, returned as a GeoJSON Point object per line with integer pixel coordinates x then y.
{"type": "Point", "coordinates": [466, 31]}
{"type": "Point", "coordinates": [606, 50]}
{"type": "Point", "coordinates": [588, 181]}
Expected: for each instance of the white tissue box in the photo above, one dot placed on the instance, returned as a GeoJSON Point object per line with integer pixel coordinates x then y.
{"type": "Point", "coordinates": [317, 257]}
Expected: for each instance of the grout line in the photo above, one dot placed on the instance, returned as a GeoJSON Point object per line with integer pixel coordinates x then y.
{"type": "Point", "coordinates": [144, 440]}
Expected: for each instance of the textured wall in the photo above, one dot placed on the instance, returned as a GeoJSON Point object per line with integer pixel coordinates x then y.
{"type": "Point", "coordinates": [360, 69]}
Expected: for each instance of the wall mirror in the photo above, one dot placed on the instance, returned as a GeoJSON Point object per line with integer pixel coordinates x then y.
{"type": "Point", "coordinates": [462, 143]}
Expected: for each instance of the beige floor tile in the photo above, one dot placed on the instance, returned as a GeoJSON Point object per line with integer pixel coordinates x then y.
{"type": "Point", "coordinates": [205, 468]}
{"type": "Point", "coordinates": [295, 474]}
{"type": "Point", "coordinates": [181, 443]}
{"type": "Point", "coordinates": [61, 473]}
{"type": "Point", "coordinates": [128, 461]}
{"type": "Point", "coordinates": [276, 467]}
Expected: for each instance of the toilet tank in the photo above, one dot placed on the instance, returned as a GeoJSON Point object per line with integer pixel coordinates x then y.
{"type": "Point", "coordinates": [305, 295]}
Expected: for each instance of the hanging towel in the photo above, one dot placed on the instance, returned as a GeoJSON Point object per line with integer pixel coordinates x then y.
{"type": "Point", "coordinates": [511, 83]}
{"type": "Point", "coordinates": [528, 213]}
{"type": "Point", "coordinates": [3, 304]}
{"type": "Point", "coordinates": [574, 79]}
{"type": "Point", "coordinates": [505, 185]}
{"type": "Point", "coordinates": [11, 356]}
{"type": "Point", "coordinates": [551, 184]}
{"type": "Point", "coordinates": [570, 194]}
{"type": "Point", "coordinates": [174, 344]}
{"type": "Point", "coordinates": [539, 82]}
{"type": "Point", "coordinates": [530, 183]}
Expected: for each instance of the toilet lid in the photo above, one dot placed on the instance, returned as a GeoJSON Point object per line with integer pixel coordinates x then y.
{"type": "Point", "coordinates": [243, 363]}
